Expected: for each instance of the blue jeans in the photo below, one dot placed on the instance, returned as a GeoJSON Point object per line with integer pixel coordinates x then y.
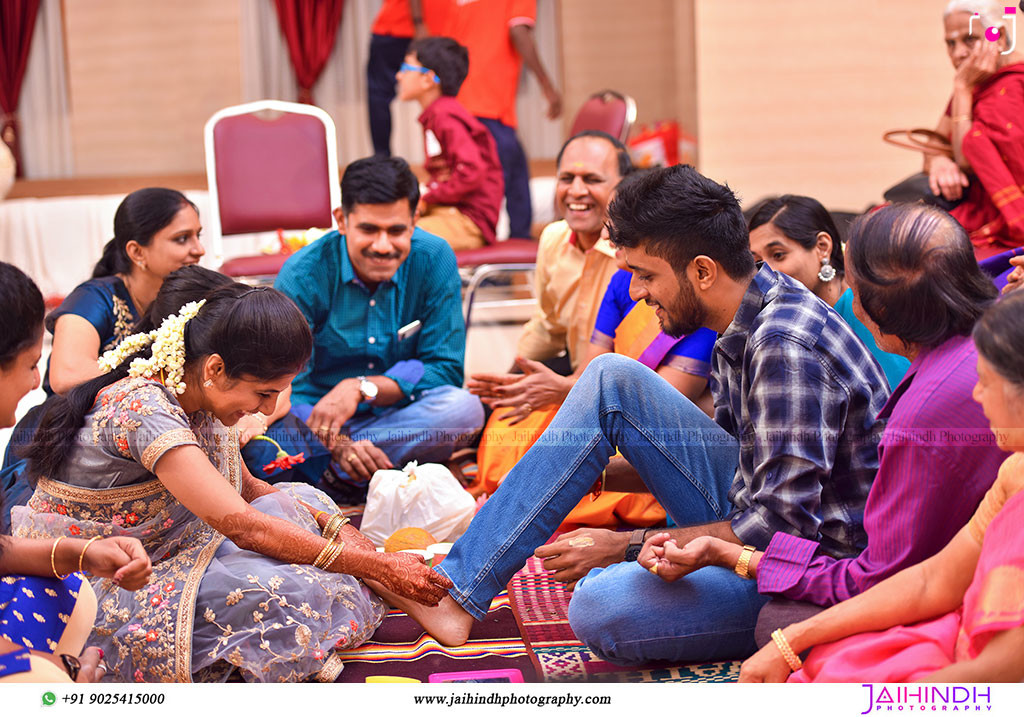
{"type": "Point", "coordinates": [386, 55]}
{"type": "Point", "coordinates": [427, 430]}
{"type": "Point", "coordinates": [686, 460]}
{"type": "Point", "coordinates": [516, 171]}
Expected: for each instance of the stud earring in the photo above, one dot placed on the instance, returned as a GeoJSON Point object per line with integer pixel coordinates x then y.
{"type": "Point", "coordinates": [827, 272]}
{"type": "Point", "coordinates": [207, 383]}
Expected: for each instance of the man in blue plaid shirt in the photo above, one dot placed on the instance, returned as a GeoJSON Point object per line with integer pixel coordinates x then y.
{"type": "Point", "coordinates": [792, 447]}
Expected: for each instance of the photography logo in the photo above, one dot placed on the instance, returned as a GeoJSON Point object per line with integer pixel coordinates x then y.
{"type": "Point", "coordinates": [992, 33]}
{"type": "Point", "coordinates": [927, 698]}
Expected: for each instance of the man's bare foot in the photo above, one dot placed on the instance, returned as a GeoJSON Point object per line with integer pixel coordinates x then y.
{"type": "Point", "coordinates": [447, 622]}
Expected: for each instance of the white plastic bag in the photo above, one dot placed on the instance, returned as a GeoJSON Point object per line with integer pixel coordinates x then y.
{"type": "Point", "coordinates": [424, 496]}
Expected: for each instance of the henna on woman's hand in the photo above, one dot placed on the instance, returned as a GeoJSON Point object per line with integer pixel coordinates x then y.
{"type": "Point", "coordinates": [352, 537]}
{"type": "Point", "coordinates": [276, 538]}
{"type": "Point", "coordinates": [401, 573]}
{"type": "Point", "coordinates": [253, 488]}
{"type": "Point", "coordinates": [349, 533]}
{"type": "Point", "coordinates": [319, 515]}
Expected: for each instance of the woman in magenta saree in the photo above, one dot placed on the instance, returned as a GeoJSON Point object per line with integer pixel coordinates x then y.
{"type": "Point", "coordinates": [958, 616]}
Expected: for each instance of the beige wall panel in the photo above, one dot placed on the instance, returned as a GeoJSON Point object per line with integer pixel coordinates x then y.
{"type": "Point", "coordinates": [794, 95]}
{"type": "Point", "coordinates": [144, 76]}
{"type": "Point", "coordinates": [686, 66]}
{"type": "Point", "coordinates": [624, 46]}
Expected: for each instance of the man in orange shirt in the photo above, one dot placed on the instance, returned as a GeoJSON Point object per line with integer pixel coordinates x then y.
{"type": "Point", "coordinates": [499, 37]}
{"type": "Point", "coordinates": [397, 23]}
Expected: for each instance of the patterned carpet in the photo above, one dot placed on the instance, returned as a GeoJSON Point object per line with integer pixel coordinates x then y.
{"type": "Point", "coordinates": [526, 629]}
{"type": "Point", "coordinates": [400, 648]}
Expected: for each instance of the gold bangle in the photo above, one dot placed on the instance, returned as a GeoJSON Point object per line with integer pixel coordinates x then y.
{"type": "Point", "coordinates": [743, 564]}
{"type": "Point", "coordinates": [334, 525]}
{"type": "Point", "coordinates": [329, 554]}
{"type": "Point", "coordinates": [961, 118]}
{"type": "Point", "coordinates": [53, 559]}
{"type": "Point", "coordinates": [340, 545]}
{"type": "Point", "coordinates": [329, 526]}
{"type": "Point", "coordinates": [323, 553]}
{"type": "Point", "coordinates": [787, 652]}
{"type": "Point", "coordinates": [81, 555]}
{"type": "Point", "coordinates": [344, 521]}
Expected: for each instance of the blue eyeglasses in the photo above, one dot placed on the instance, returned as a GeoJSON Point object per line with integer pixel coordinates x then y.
{"type": "Point", "coordinates": [406, 67]}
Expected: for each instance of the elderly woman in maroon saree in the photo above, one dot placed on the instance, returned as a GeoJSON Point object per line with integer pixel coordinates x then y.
{"type": "Point", "coordinates": [993, 212]}
{"type": "Point", "coordinates": [985, 124]}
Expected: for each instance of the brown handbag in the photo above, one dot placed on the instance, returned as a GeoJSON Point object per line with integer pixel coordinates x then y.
{"type": "Point", "coordinates": [920, 139]}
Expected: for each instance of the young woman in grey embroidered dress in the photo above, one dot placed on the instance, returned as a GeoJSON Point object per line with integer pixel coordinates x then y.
{"type": "Point", "coordinates": [232, 556]}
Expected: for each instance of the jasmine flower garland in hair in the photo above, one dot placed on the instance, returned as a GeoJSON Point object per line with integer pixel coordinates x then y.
{"type": "Point", "coordinates": [130, 345]}
{"type": "Point", "coordinates": [168, 358]}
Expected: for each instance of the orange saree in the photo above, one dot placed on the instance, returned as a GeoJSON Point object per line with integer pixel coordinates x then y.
{"type": "Point", "coordinates": [638, 336]}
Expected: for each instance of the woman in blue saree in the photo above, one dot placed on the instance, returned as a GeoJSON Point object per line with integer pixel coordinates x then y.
{"type": "Point", "coordinates": [796, 236]}
{"type": "Point", "coordinates": [156, 231]}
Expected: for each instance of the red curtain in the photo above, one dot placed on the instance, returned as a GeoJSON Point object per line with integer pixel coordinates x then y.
{"type": "Point", "coordinates": [17, 25]}
{"type": "Point", "coordinates": [309, 26]}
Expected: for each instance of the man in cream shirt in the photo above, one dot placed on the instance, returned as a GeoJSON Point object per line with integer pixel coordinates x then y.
{"type": "Point", "coordinates": [574, 263]}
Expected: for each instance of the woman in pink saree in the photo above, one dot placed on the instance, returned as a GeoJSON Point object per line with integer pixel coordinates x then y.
{"type": "Point", "coordinates": [958, 616]}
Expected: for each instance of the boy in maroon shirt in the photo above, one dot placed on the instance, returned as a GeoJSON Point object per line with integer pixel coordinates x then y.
{"type": "Point", "coordinates": [464, 193]}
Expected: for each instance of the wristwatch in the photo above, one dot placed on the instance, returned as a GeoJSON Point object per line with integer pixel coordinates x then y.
{"type": "Point", "coordinates": [367, 390]}
{"type": "Point", "coordinates": [636, 544]}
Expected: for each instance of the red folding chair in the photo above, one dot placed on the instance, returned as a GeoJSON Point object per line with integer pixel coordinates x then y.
{"type": "Point", "coordinates": [608, 111]}
{"type": "Point", "coordinates": [269, 165]}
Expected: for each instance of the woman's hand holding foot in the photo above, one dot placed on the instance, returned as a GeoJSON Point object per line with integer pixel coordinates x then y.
{"type": "Point", "coordinates": [406, 574]}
